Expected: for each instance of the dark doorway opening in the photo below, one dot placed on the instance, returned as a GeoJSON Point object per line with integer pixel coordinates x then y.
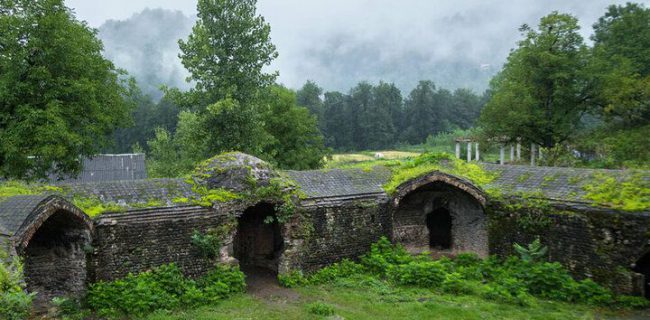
{"type": "Point", "coordinates": [439, 226]}
{"type": "Point", "coordinates": [258, 244]}
{"type": "Point", "coordinates": [55, 258]}
{"type": "Point", "coordinates": [643, 267]}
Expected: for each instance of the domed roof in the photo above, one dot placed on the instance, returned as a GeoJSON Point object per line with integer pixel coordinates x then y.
{"type": "Point", "coordinates": [233, 171]}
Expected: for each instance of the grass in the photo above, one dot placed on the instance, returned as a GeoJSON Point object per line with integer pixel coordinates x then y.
{"type": "Point", "coordinates": [380, 301]}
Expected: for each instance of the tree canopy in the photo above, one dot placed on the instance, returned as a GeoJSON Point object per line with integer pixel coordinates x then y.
{"type": "Point", "coordinates": [60, 99]}
{"type": "Point", "coordinates": [542, 91]}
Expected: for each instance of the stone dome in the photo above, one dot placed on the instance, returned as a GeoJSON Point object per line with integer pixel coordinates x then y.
{"type": "Point", "coordinates": [234, 171]}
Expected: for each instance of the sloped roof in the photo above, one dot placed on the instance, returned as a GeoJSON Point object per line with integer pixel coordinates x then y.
{"type": "Point", "coordinates": [562, 184]}
{"type": "Point", "coordinates": [15, 210]}
{"type": "Point", "coordinates": [109, 167]}
{"type": "Point", "coordinates": [337, 182]}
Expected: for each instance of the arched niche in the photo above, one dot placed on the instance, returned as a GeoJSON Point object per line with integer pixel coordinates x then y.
{"type": "Point", "coordinates": [53, 242]}
{"type": "Point", "coordinates": [440, 213]}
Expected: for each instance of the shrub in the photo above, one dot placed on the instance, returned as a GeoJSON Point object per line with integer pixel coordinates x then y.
{"type": "Point", "coordinates": [15, 302]}
{"type": "Point", "coordinates": [428, 274]}
{"type": "Point", "coordinates": [321, 309]}
{"type": "Point", "coordinates": [293, 279]}
{"type": "Point", "coordinates": [384, 254]}
{"type": "Point", "coordinates": [343, 269]}
{"type": "Point", "coordinates": [456, 284]}
{"type": "Point", "coordinates": [165, 288]}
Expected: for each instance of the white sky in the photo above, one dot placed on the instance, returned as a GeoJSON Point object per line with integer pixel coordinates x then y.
{"type": "Point", "coordinates": [484, 30]}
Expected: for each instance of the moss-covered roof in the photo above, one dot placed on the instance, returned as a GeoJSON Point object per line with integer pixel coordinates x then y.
{"type": "Point", "coordinates": [594, 187]}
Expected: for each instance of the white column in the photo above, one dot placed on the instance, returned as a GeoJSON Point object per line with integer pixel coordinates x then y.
{"type": "Point", "coordinates": [469, 151]}
{"type": "Point", "coordinates": [512, 153]}
{"type": "Point", "coordinates": [457, 150]}
{"type": "Point", "coordinates": [502, 157]}
{"type": "Point", "coordinates": [532, 154]}
{"type": "Point", "coordinates": [539, 152]}
{"type": "Point", "coordinates": [518, 151]}
{"type": "Point", "coordinates": [478, 157]}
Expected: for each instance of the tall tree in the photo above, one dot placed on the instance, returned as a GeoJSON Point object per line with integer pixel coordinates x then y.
{"type": "Point", "coordinates": [424, 113]}
{"type": "Point", "coordinates": [360, 104]}
{"type": "Point", "coordinates": [387, 98]}
{"type": "Point", "coordinates": [226, 52]}
{"type": "Point", "coordinates": [542, 91]}
{"type": "Point", "coordinates": [338, 124]}
{"type": "Point", "coordinates": [60, 99]}
{"type": "Point", "coordinates": [309, 97]}
{"type": "Point", "coordinates": [621, 64]}
{"type": "Point", "coordinates": [297, 143]}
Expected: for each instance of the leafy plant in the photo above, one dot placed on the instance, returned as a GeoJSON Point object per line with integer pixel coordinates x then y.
{"type": "Point", "coordinates": [321, 309]}
{"type": "Point", "coordinates": [533, 253]}
{"type": "Point", "coordinates": [163, 288]}
{"type": "Point", "coordinates": [15, 302]}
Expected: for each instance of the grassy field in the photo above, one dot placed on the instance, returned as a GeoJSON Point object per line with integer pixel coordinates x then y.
{"type": "Point", "coordinates": [379, 301]}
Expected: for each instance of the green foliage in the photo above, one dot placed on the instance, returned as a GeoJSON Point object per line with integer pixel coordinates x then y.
{"type": "Point", "coordinates": [539, 96]}
{"type": "Point", "coordinates": [321, 309]}
{"type": "Point", "coordinates": [297, 143]}
{"type": "Point", "coordinates": [429, 162]}
{"type": "Point", "coordinates": [514, 280]}
{"type": "Point", "coordinates": [630, 193]}
{"type": "Point", "coordinates": [173, 155]}
{"type": "Point", "coordinates": [17, 188]}
{"type": "Point", "coordinates": [93, 206]}
{"type": "Point", "coordinates": [208, 244]}
{"type": "Point", "coordinates": [60, 99]}
{"type": "Point", "coordinates": [163, 288]}
{"type": "Point", "coordinates": [15, 302]}
{"type": "Point", "coordinates": [535, 252]}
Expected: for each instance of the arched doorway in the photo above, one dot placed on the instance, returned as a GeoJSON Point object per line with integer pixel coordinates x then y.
{"type": "Point", "coordinates": [440, 213]}
{"type": "Point", "coordinates": [55, 257]}
{"type": "Point", "coordinates": [258, 243]}
{"type": "Point", "coordinates": [643, 267]}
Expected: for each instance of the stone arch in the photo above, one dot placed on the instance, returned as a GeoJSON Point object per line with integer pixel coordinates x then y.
{"type": "Point", "coordinates": [259, 240]}
{"type": "Point", "coordinates": [441, 213]}
{"type": "Point", "coordinates": [53, 242]}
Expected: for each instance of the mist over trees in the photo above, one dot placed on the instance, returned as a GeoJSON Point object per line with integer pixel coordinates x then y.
{"type": "Point", "coordinates": [146, 45]}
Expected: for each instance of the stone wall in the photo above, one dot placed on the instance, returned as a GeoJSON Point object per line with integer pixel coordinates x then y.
{"type": "Point", "coordinates": [342, 229]}
{"type": "Point", "coordinates": [591, 242]}
{"type": "Point", "coordinates": [140, 240]}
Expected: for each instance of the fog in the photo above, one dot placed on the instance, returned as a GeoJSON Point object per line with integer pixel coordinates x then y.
{"type": "Point", "coordinates": [338, 43]}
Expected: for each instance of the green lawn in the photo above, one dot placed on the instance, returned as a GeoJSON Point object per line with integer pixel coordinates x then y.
{"type": "Point", "coordinates": [382, 302]}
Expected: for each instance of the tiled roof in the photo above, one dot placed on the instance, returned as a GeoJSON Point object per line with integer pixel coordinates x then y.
{"type": "Point", "coordinates": [337, 182]}
{"type": "Point", "coordinates": [564, 184]}
{"type": "Point", "coordinates": [131, 191]}
{"type": "Point", "coordinates": [109, 167]}
{"type": "Point", "coordinates": [15, 210]}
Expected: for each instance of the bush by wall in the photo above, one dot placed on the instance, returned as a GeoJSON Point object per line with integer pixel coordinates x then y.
{"type": "Point", "coordinates": [15, 302]}
{"type": "Point", "coordinates": [163, 288]}
{"type": "Point", "coordinates": [514, 280]}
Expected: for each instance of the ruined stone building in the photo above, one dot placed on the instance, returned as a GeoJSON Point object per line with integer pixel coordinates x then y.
{"type": "Point", "coordinates": [338, 214]}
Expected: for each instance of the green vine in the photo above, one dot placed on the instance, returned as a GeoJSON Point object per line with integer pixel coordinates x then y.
{"type": "Point", "coordinates": [630, 193]}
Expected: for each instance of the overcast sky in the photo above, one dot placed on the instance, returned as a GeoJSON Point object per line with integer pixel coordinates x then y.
{"type": "Point", "coordinates": [481, 32]}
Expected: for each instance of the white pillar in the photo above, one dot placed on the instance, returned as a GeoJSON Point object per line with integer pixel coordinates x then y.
{"type": "Point", "coordinates": [512, 153]}
{"type": "Point", "coordinates": [532, 154]}
{"type": "Point", "coordinates": [478, 157]}
{"type": "Point", "coordinates": [518, 151]}
{"type": "Point", "coordinates": [539, 152]}
{"type": "Point", "coordinates": [457, 150]}
{"type": "Point", "coordinates": [502, 157]}
{"type": "Point", "coordinates": [469, 151]}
